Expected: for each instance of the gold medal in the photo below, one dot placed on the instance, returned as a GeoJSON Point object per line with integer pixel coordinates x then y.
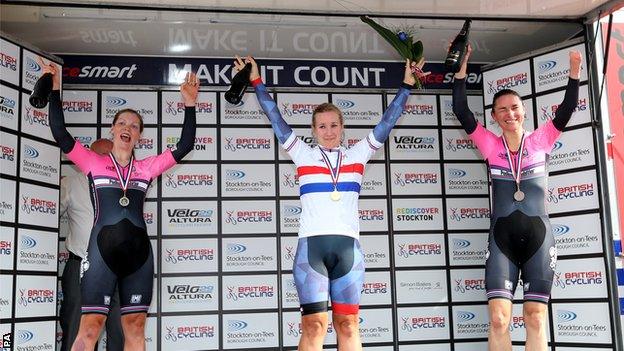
{"type": "Point", "coordinates": [335, 195]}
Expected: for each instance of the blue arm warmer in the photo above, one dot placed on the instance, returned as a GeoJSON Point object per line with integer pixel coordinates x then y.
{"type": "Point", "coordinates": [280, 127]}
{"type": "Point", "coordinates": [392, 114]}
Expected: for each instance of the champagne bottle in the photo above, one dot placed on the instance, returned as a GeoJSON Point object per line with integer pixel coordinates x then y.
{"type": "Point", "coordinates": [240, 82]}
{"type": "Point", "coordinates": [41, 92]}
{"type": "Point", "coordinates": [458, 48]}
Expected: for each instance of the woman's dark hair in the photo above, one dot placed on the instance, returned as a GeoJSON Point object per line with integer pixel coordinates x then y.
{"type": "Point", "coordinates": [130, 111]}
{"type": "Point", "coordinates": [502, 93]}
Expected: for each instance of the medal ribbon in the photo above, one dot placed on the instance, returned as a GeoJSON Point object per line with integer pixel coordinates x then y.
{"type": "Point", "coordinates": [124, 182]}
{"type": "Point", "coordinates": [517, 170]}
{"type": "Point", "coordinates": [334, 172]}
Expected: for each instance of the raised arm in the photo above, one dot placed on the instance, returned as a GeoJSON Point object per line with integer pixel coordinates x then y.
{"type": "Point", "coordinates": [280, 127]}
{"type": "Point", "coordinates": [189, 90]}
{"type": "Point", "coordinates": [57, 120]}
{"type": "Point", "coordinates": [460, 100]}
{"type": "Point", "coordinates": [396, 107]}
{"type": "Point", "coordinates": [570, 100]}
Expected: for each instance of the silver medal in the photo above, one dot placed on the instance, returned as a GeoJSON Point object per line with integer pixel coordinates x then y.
{"type": "Point", "coordinates": [124, 201]}
{"type": "Point", "coordinates": [519, 195]}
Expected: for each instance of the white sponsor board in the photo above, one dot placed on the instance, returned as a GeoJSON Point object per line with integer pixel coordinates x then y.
{"type": "Point", "coordinates": [466, 213]}
{"type": "Point", "coordinates": [374, 180]}
{"type": "Point", "coordinates": [7, 247]}
{"type": "Point", "coordinates": [548, 104]}
{"type": "Point", "coordinates": [9, 61]}
{"type": "Point", "coordinates": [9, 107]}
{"type": "Point", "coordinates": [204, 146]}
{"type": "Point", "coordinates": [429, 347]}
{"type": "Point", "coordinates": [423, 323]}
{"type": "Point", "coordinates": [579, 234]}
{"type": "Point", "coordinates": [458, 146]}
{"type": "Point", "coordinates": [292, 329]}
{"type": "Point", "coordinates": [516, 76]}
{"type": "Point", "coordinates": [288, 179]}
{"type": "Point", "coordinates": [377, 289]}
{"type": "Point", "coordinates": [475, 104]}
{"type": "Point", "coordinates": [248, 111]}
{"type": "Point", "coordinates": [32, 70]}
{"type": "Point", "coordinates": [290, 213]}
{"type": "Point", "coordinates": [173, 107]}
{"type": "Point", "coordinates": [586, 323]}
{"type": "Point", "coordinates": [297, 108]}
{"type": "Point", "coordinates": [421, 214]}
{"type": "Point", "coordinates": [470, 322]}
{"type": "Point", "coordinates": [528, 123]}
{"type": "Point", "coordinates": [247, 180]}
{"type": "Point", "coordinates": [249, 292]}
{"type": "Point", "coordinates": [38, 205]}
{"type": "Point", "coordinates": [150, 216]}
{"type": "Point", "coordinates": [35, 296]}
{"type": "Point", "coordinates": [572, 192]}
{"type": "Point", "coordinates": [419, 250]}
{"type": "Point", "coordinates": [305, 135]}
{"type": "Point", "coordinates": [290, 298]}
{"type": "Point", "coordinates": [6, 296]}
{"type": "Point", "coordinates": [189, 217]}
{"type": "Point", "coordinates": [190, 180]}
{"type": "Point", "coordinates": [376, 251]}
{"type": "Point", "coordinates": [39, 161]}
{"type": "Point", "coordinates": [580, 278]}
{"type": "Point", "coordinates": [143, 102]}
{"type": "Point", "coordinates": [422, 286]}
{"type": "Point", "coordinates": [376, 325]}
{"type": "Point", "coordinates": [553, 69]}
{"type": "Point", "coordinates": [189, 255]}
{"type": "Point", "coordinates": [359, 109]}
{"type": "Point", "coordinates": [35, 121]}
{"type": "Point", "coordinates": [147, 144]}
{"type": "Point", "coordinates": [250, 217]}
{"type": "Point", "coordinates": [80, 106]}
{"type": "Point", "coordinates": [574, 149]}
{"type": "Point", "coordinates": [250, 330]}
{"type": "Point", "coordinates": [373, 215]}
{"type": "Point", "coordinates": [35, 336]}
{"type": "Point", "coordinates": [288, 250]}
{"type": "Point", "coordinates": [189, 294]}
{"type": "Point", "coordinates": [7, 200]}
{"type": "Point", "coordinates": [467, 249]}
{"type": "Point", "coordinates": [190, 332]}
{"type": "Point", "coordinates": [37, 250]}
{"type": "Point", "coordinates": [249, 254]}
{"type": "Point", "coordinates": [420, 110]}
{"type": "Point", "coordinates": [468, 285]}
{"type": "Point", "coordinates": [354, 136]}
{"type": "Point", "coordinates": [415, 179]}
{"type": "Point", "coordinates": [8, 153]}
{"type": "Point", "coordinates": [414, 144]}
{"type": "Point", "coordinates": [247, 144]}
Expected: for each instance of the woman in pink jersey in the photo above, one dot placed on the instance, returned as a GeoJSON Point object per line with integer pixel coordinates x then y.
{"type": "Point", "coordinates": [520, 239]}
{"type": "Point", "coordinates": [119, 254]}
{"type": "Point", "coordinates": [329, 263]}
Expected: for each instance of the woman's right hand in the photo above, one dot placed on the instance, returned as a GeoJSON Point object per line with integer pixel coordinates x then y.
{"type": "Point", "coordinates": [51, 68]}
{"type": "Point", "coordinates": [239, 64]}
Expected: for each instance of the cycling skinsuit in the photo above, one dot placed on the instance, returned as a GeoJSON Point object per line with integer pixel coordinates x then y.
{"type": "Point", "coordinates": [119, 251]}
{"type": "Point", "coordinates": [520, 236]}
{"type": "Point", "coordinates": [329, 260]}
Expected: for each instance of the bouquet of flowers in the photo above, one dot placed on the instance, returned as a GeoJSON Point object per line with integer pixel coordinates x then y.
{"type": "Point", "coordinates": [403, 41]}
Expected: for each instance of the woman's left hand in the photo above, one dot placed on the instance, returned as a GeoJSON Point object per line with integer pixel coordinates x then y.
{"type": "Point", "coordinates": [413, 70]}
{"type": "Point", "coordinates": [189, 89]}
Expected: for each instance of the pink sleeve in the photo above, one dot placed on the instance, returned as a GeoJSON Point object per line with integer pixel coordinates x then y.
{"type": "Point", "coordinates": [82, 157]}
{"type": "Point", "coordinates": [484, 140]}
{"type": "Point", "coordinates": [156, 165]}
{"type": "Point", "coordinates": [545, 136]}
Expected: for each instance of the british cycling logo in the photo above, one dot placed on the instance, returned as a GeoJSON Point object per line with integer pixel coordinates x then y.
{"type": "Point", "coordinates": [455, 145]}
{"type": "Point", "coordinates": [290, 180]}
{"type": "Point", "coordinates": [406, 250]}
{"type": "Point", "coordinates": [508, 82]}
{"type": "Point", "coordinates": [578, 278]}
{"type": "Point", "coordinates": [298, 109]}
{"type": "Point", "coordinates": [78, 106]}
{"type": "Point", "coordinates": [289, 253]}
{"type": "Point", "coordinates": [175, 256]}
{"type": "Point", "coordinates": [8, 61]}
{"type": "Point", "coordinates": [464, 285]}
{"type": "Point", "coordinates": [34, 116]}
{"type": "Point", "coordinates": [190, 332]}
